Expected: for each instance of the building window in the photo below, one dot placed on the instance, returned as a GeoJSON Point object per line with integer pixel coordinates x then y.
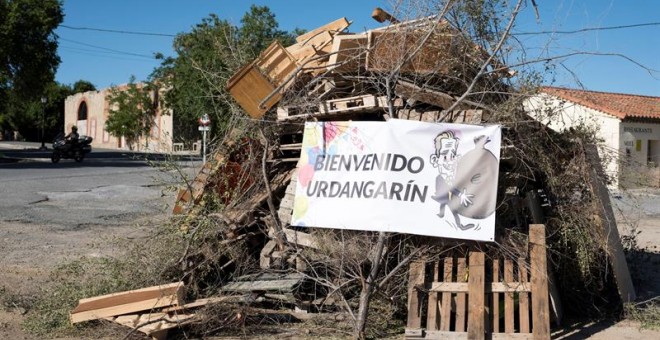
{"type": "Point", "coordinates": [82, 111]}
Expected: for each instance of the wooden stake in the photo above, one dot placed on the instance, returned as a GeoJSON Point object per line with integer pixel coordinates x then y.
{"type": "Point", "coordinates": [476, 300]}
{"type": "Point", "coordinates": [415, 278]}
{"type": "Point", "coordinates": [540, 303]}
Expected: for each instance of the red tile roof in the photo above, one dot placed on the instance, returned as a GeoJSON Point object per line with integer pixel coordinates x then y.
{"type": "Point", "coordinates": [619, 105]}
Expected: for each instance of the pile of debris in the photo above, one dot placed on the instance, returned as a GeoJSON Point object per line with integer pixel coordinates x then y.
{"type": "Point", "coordinates": [415, 70]}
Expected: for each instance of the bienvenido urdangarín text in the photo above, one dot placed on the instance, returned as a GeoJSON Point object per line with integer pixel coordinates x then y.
{"type": "Point", "coordinates": [368, 189]}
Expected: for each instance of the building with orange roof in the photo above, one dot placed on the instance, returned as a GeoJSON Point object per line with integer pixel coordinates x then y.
{"type": "Point", "coordinates": [628, 125]}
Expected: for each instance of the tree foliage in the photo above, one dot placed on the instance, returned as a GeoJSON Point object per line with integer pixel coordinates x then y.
{"type": "Point", "coordinates": [206, 57]}
{"type": "Point", "coordinates": [28, 58]}
{"type": "Point", "coordinates": [132, 111]}
{"type": "Point", "coordinates": [82, 86]}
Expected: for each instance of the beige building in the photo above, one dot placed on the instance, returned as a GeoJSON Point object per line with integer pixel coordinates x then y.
{"type": "Point", "coordinates": [89, 112]}
{"type": "Point", "coordinates": [628, 125]}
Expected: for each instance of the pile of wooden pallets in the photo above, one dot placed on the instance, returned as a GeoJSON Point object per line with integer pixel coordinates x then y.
{"type": "Point", "coordinates": [331, 66]}
{"type": "Point", "coordinates": [328, 74]}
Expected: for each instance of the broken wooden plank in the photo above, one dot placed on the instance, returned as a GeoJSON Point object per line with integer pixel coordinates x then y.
{"type": "Point", "coordinates": [270, 276]}
{"type": "Point", "coordinates": [300, 238]}
{"type": "Point", "coordinates": [203, 302]}
{"type": "Point", "coordinates": [333, 27]}
{"type": "Point", "coordinates": [265, 260]}
{"type": "Point", "coordinates": [293, 146]}
{"type": "Point", "coordinates": [608, 226]}
{"type": "Point", "coordinates": [269, 285]}
{"type": "Point", "coordinates": [382, 15]}
{"type": "Point", "coordinates": [154, 324]}
{"type": "Point", "coordinates": [128, 302]}
{"type": "Point", "coordinates": [312, 55]}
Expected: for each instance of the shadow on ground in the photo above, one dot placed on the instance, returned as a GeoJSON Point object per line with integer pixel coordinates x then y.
{"type": "Point", "coordinates": [581, 330]}
{"type": "Point", "coordinates": [38, 159]}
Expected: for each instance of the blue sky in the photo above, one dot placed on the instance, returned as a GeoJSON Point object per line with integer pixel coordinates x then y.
{"type": "Point", "coordinates": [107, 59]}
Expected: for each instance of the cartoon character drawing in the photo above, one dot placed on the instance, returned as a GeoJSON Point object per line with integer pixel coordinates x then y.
{"type": "Point", "coordinates": [466, 184]}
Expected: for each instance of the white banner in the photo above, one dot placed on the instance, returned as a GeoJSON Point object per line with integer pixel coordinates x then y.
{"type": "Point", "coordinates": [401, 176]}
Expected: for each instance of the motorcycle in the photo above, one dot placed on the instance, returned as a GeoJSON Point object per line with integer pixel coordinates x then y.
{"type": "Point", "coordinates": [67, 149]}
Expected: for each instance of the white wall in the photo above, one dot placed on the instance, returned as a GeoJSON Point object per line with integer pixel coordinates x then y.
{"type": "Point", "coordinates": [561, 115]}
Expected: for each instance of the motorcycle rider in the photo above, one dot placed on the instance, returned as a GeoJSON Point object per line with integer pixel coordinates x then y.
{"type": "Point", "coordinates": [72, 138]}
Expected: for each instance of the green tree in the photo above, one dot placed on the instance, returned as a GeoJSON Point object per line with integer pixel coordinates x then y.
{"type": "Point", "coordinates": [82, 86]}
{"type": "Point", "coordinates": [259, 29]}
{"type": "Point", "coordinates": [203, 55]}
{"type": "Point", "coordinates": [28, 60]}
{"type": "Point", "coordinates": [132, 111]}
{"type": "Point", "coordinates": [206, 57]}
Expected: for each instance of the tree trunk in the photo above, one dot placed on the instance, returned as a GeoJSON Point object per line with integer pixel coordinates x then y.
{"type": "Point", "coordinates": [368, 288]}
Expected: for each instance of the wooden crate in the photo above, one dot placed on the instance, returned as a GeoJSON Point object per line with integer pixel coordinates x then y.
{"type": "Point", "coordinates": [441, 52]}
{"type": "Point", "coordinates": [348, 53]}
{"type": "Point", "coordinates": [472, 297]}
{"type": "Point", "coordinates": [276, 63]}
{"type": "Point", "coordinates": [258, 86]}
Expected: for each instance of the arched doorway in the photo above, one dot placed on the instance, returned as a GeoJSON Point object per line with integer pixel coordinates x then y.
{"type": "Point", "coordinates": [81, 120]}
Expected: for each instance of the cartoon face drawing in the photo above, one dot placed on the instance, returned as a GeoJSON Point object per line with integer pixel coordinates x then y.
{"type": "Point", "coordinates": [446, 146]}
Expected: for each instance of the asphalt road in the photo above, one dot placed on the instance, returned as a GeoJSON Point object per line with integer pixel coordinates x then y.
{"type": "Point", "coordinates": [108, 187]}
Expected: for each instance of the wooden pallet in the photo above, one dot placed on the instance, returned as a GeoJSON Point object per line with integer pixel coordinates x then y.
{"type": "Point", "coordinates": [187, 197]}
{"type": "Point", "coordinates": [455, 116]}
{"type": "Point", "coordinates": [348, 53]}
{"type": "Point", "coordinates": [473, 297]}
{"type": "Point", "coordinates": [286, 204]}
{"type": "Point", "coordinates": [336, 107]}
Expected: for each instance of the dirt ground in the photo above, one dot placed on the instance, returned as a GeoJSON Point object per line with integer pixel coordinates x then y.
{"type": "Point", "coordinates": [30, 251]}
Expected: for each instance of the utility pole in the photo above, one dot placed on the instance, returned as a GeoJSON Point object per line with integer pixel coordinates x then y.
{"type": "Point", "coordinates": [43, 114]}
